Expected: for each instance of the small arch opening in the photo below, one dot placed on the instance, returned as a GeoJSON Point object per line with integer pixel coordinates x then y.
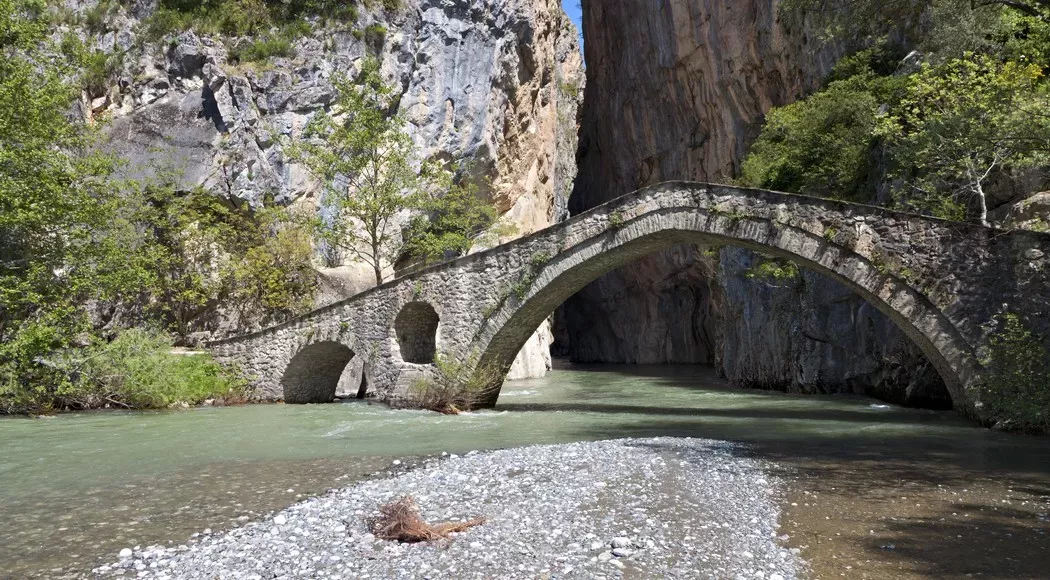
{"type": "Point", "coordinates": [313, 375]}
{"type": "Point", "coordinates": [416, 329]}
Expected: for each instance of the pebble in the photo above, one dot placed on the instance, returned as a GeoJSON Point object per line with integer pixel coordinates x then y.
{"type": "Point", "coordinates": [695, 507]}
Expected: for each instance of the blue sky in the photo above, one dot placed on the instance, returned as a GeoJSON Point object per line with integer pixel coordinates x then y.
{"type": "Point", "coordinates": [572, 8]}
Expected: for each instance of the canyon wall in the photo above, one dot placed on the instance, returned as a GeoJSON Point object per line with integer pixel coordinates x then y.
{"type": "Point", "coordinates": [677, 89]}
{"type": "Point", "coordinates": [493, 82]}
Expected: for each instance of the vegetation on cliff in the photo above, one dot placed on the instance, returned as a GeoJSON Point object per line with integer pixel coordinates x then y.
{"type": "Point", "coordinates": [941, 109]}
{"type": "Point", "coordinates": [367, 164]}
{"type": "Point", "coordinates": [85, 255]}
{"type": "Point", "coordinates": [951, 126]}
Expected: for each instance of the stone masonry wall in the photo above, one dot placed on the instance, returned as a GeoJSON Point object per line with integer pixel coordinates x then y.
{"type": "Point", "coordinates": [943, 283]}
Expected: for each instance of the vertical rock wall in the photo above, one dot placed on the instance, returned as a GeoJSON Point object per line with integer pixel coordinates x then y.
{"type": "Point", "coordinates": [677, 89]}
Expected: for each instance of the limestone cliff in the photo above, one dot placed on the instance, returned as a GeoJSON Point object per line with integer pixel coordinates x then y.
{"type": "Point", "coordinates": [496, 82]}
{"type": "Point", "coordinates": [678, 91]}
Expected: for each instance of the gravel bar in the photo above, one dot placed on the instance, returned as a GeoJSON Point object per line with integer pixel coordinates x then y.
{"type": "Point", "coordinates": [661, 507]}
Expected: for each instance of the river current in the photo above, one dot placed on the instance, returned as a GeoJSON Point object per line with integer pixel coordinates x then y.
{"type": "Point", "coordinates": [76, 488]}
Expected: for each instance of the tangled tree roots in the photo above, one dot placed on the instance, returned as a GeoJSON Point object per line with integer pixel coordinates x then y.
{"type": "Point", "coordinates": [400, 521]}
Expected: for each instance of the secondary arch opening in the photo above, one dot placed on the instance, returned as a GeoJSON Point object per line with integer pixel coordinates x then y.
{"type": "Point", "coordinates": [313, 374]}
{"type": "Point", "coordinates": [416, 330]}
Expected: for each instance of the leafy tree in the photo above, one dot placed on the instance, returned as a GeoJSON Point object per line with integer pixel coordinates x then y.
{"type": "Point", "coordinates": [936, 129]}
{"type": "Point", "coordinates": [198, 253]}
{"type": "Point", "coordinates": [452, 223]}
{"type": "Point", "coordinates": [274, 276]}
{"type": "Point", "coordinates": [962, 122]}
{"type": "Point", "coordinates": [826, 145]}
{"type": "Point", "coordinates": [363, 157]}
{"type": "Point", "coordinates": [54, 201]}
{"type": "Point", "coordinates": [366, 163]}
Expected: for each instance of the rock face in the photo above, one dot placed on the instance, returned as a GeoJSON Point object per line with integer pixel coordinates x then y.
{"type": "Point", "coordinates": [494, 82]}
{"type": "Point", "coordinates": [679, 92]}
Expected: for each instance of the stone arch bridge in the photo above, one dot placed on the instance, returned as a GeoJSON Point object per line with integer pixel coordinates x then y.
{"type": "Point", "coordinates": [944, 283]}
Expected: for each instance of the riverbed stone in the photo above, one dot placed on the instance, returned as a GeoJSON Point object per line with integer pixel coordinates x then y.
{"type": "Point", "coordinates": [526, 495]}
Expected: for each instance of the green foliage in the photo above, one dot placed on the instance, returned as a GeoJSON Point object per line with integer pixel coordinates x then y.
{"type": "Point", "coordinates": [135, 370]}
{"type": "Point", "coordinates": [958, 125]}
{"type": "Point", "coordinates": [375, 36]}
{"type": "Point", "coordinates": [194, 252]}
{"type": "Point", "coordinates": [1015, 393]}
{"type": "Point", "coordinates": [363, 157]}
{"type": "Point", "coordinates": [274, 277]}
{"type": "Point", "coordinates": [455, 385]}
{"type": "Point", "coordinates": [616, 220]}
{"type": "Point", "coordinates": [536, 264]}
{"type": "Point", "coordinates": [54, 199]}
{"type": "Point", "coordinates": [774, 271]}
{"type": "Point", "coordinates": [570, 89]}
{"type": "Point", "coordinates": [255, 17]}
{"type": "Point", "coordinates": [932, 132]}
{"type": "Point", "coordinates": [824, 145]}
{"type": "Point", "coordinates": [451, 223]}
{"type": "Point", "coordinates": [80, 250]}
{"type": "Point", "coordinates": [262, 50]}
{"type": "Point", "coordinates": [365, 160]}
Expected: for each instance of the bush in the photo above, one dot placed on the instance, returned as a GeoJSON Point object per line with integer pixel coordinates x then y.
{"type": "Point", "coordinates": [137, 370]}
{"type": "Point", "coordinates": [100, 68]}
{"type": "Point", "coordinates": [262, 50]}
{"type": "Point", "coordinates": [1015, 393]}
{"type": "Point", "coordinates": [455, 386]}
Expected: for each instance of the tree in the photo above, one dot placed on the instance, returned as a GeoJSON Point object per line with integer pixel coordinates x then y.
{"type": "Point", "coordinates": [364, 160]}
{"type": "Point", "coordinates": [453, 222]}
{"type": "Point", "coordinates": [959, 125]}
{"type": "Point", "coordinates": [366, 163]}
{"type": "Point", "coordinates": [55, 200]}
{"type": "Point", "coordinates": [826, 145]}
{"type": "Point", "coordinates": [200, 255]}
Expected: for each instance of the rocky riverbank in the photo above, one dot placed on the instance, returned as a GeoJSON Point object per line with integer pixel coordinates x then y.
{"type": "Point", "coordinates": [658, 507]}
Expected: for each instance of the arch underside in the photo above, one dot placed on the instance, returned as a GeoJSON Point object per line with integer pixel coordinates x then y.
{"type": "Point", "coordinates": [416, 330]}
{"type": "Point", "coordinates": [313, 374]}
{"type": "Point", "coordinates": [577, 266]}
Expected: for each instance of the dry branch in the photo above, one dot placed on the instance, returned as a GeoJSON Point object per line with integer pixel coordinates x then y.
{"type": "Point", "coordinates": [400, 521]}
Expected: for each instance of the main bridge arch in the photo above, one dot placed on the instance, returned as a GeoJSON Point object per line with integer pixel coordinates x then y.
{"type": "Point", "coordinates": [650, 229]}
{"type": "Point", "coordinates": [943, 283]}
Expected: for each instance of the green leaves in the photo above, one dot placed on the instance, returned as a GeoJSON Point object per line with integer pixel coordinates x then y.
{"type": "Point", "coordinates": [367, 164]}
{"type": "Point", "coordinates": [946, 131]}
{"type": "Point", "coordinates": [1015, 392]}
{"type": "Point", "coordinates": [959, 125]}
{"type": "Point", "coordinates": [363, 157]}
{"type": "Point", "coordinates": [451, 223]}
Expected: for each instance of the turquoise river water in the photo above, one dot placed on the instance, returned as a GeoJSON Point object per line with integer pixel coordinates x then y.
{"type": "Point", "coordinates": [76, 488]}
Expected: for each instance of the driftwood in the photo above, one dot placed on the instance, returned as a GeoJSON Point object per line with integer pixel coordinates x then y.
{"type": "Point", "coordinates": [400, 521]}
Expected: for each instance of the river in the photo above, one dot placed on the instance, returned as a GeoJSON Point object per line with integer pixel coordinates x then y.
{"type": "Point", "coordinates": [877, 491]}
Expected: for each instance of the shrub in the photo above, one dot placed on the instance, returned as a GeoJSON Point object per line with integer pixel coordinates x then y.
{"type": "Point", "coordinates": [1015, 393]}
{"type": "Point", "coordinates": [137, 370]}
{"type": "Point", "coordinates": [455, 385]}
{"type": "Point", "coordinates": [262, 50]}
{"type": "Point", "coordinates": [772, 270]}
{"type": "Point", "coordinates": [100, 68]}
